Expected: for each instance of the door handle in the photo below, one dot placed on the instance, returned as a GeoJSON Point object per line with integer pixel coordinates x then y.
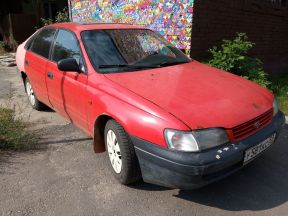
{"type": "Point", "coordinates": [26, 62]}
{"type": "Point", "coordinates": [50, 75]}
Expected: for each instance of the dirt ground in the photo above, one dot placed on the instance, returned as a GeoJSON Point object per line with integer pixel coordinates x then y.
{"type": "Point", "coordinates": [64, 177]}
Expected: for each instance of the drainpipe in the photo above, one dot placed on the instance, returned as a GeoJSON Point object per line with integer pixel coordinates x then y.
{"type": "Point", "coordinates": [69, 11]}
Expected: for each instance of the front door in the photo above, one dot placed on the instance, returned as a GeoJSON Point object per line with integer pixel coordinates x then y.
{"type": "Point", "coordinates": [67, 90]}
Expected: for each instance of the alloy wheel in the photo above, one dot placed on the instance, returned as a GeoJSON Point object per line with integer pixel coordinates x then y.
{"type": "Point", "coordinates": [30, 93]}
{"type": "Point", "coordinates": [114, 152]}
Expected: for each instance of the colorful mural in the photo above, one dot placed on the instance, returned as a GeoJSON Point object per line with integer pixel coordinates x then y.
{"type": "Point", "coordinates": [172, 19]}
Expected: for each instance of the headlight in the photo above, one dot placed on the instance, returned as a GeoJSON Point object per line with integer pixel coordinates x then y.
{"type": "Point", "coordinates": [275, 107]}
{"type": "Point", "coordinates": [195, 141]}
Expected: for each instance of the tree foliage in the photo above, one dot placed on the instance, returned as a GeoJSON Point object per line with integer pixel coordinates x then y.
{"type": "Point", "coordinates": [62, 16]}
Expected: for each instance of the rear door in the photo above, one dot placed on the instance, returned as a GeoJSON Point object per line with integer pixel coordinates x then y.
{"type": "Point", "coordinates": [36, 60]}
{"type": "Point", "coordinates": [67, 90]}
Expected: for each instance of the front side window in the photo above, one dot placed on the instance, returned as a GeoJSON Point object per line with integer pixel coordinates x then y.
{"type": "Point", "coordinates": [42, 42]}
{"type": "Point", "coordinates": [66, 46]}
{"type": "Point", "coordinates": [120, 50]}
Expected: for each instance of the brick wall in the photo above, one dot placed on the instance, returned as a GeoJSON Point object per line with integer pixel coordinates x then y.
{"type": "Point", "coordinates": [266, 24]}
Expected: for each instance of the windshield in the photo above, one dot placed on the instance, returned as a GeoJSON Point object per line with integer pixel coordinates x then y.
{"type": "Point", "coordinates": [119, 50]}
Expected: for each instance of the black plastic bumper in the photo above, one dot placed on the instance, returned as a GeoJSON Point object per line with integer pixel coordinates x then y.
{"type": "Point", "coordinates": [193, 170]}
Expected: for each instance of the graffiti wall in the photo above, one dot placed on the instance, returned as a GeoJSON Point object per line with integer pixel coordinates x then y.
{"type": "Point", "coordinates": [172, 19]}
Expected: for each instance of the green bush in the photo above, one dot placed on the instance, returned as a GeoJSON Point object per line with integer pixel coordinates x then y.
{"type": "Point", "coordinates": [62, 16]}
{"type": "Point", "coordinates": [279, 86]}
{"type": "Point", "coordinates": [14, 131]}
{"type": "Point", "coordinates": [2, 44]}
{"type": "Point", "coordinates": [233, 57]}
{"type": "Point", "coordinates": [10, 44]}
{"type": "Point", "coordinates": [4, 48]}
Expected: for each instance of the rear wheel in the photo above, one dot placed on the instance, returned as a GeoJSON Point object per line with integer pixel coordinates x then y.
{"type": "Point", "coordinates": [35, 103]}
{"type": "Point", "coordinates": [121, 154]}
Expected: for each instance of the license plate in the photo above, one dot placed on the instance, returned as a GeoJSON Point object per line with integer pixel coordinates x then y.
{"type": "Point", "coordinates": [251, 153]}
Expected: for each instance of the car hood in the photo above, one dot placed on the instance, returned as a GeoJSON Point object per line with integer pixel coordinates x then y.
{"type": "Point", "coordinates": [198, 95]}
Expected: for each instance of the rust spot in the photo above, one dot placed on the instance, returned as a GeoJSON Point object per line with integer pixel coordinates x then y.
{"type": "Point", "coordinates": [200, 127]}
{"type": "Point", "coordinates": [255, 105]}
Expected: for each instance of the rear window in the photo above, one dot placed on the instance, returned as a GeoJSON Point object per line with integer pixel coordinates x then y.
{"type": "Point", "coordinates": [42, 42]}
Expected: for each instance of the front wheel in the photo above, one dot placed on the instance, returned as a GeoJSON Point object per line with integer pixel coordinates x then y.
{"type": "Point", "coordinates": [35, 103]}
{"type": "Point", "coordinates": [121, 154]}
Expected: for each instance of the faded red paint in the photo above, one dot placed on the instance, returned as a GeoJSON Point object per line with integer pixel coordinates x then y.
{"type": "Point", "coordinates": [198, 94]}
{"type": "Point", "coordinates": [183, 97]}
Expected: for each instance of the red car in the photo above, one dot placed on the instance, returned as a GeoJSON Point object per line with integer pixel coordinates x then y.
{"type": "Point", "coordinates": [160, 115]}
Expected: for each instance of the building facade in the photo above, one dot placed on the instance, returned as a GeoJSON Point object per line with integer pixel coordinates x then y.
{"type": "Point", "coordinates": [197, 25]}
{"type": "Point", "coordinates": [172, 19]}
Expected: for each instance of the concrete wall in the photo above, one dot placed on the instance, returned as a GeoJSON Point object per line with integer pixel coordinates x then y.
{"type": "Point", "coordinates": [266, 24]}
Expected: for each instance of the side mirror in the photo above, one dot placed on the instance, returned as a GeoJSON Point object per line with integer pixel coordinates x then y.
{"type": "Point", "coordinates": [69, 64]}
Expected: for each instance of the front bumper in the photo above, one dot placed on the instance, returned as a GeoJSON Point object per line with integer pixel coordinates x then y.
{"type": "Point", "coordinates": [187, 170]}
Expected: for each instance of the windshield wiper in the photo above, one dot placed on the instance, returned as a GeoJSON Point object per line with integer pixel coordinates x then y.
{"type": "Point", "coordinates": [170, 63]}
{"type": "Point", "coordinates": [141, 66]}
{"type": "Point", "coordinates": [126, 65]}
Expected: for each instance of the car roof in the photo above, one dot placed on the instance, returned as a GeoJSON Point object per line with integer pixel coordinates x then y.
{"type": "Point", "coordinates": [78, 27]}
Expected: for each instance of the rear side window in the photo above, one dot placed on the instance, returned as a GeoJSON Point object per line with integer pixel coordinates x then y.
{"type": "Point", "coordinates": [66, 46]}
{"type": "Point", "coordinates": [42, 42]}
{"type": "Point", "coordinates": [29, 42]}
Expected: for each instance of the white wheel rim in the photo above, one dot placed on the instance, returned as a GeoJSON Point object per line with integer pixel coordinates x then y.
{"type": "Point", "coordinates": [30, 93]}
{"type": "Point", "coordinates": [114, 152]}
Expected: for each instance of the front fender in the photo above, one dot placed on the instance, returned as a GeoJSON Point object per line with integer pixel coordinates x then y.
{"type": "Point", "coordinates": [137, 116]}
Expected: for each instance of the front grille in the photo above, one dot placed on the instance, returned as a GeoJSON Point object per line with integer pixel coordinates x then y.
{"type": "Point", "coordinates": [250, 127]}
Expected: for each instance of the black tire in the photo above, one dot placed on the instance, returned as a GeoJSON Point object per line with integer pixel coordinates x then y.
{"type": "Point", "coordinates": [38, 105]}
{"type": "Point", "coordinates": [130, 171]}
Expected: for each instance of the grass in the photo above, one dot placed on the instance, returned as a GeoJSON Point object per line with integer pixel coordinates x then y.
{"type": "Point", "coordinates": [15, 132]}
{"type": "Point", "coordinates": [279, 86]}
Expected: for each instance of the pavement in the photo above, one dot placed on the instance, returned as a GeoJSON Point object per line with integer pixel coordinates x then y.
{"type": "Point", "coordinates": [8, 60]}
{"type": "Point", "coordinates": [63, 176]}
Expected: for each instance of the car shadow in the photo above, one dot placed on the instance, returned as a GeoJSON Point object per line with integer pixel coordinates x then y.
{"type": "Point", "coordinates": [64, 141]}
{"type": "Point", "coordinates": [261, 185]}
{"type": "Point", "coordinates": [148, 187]}
{"type": "Point", "coordinates": [48, 110]}
{"type": "Point", "coordinates": [49, 136]}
